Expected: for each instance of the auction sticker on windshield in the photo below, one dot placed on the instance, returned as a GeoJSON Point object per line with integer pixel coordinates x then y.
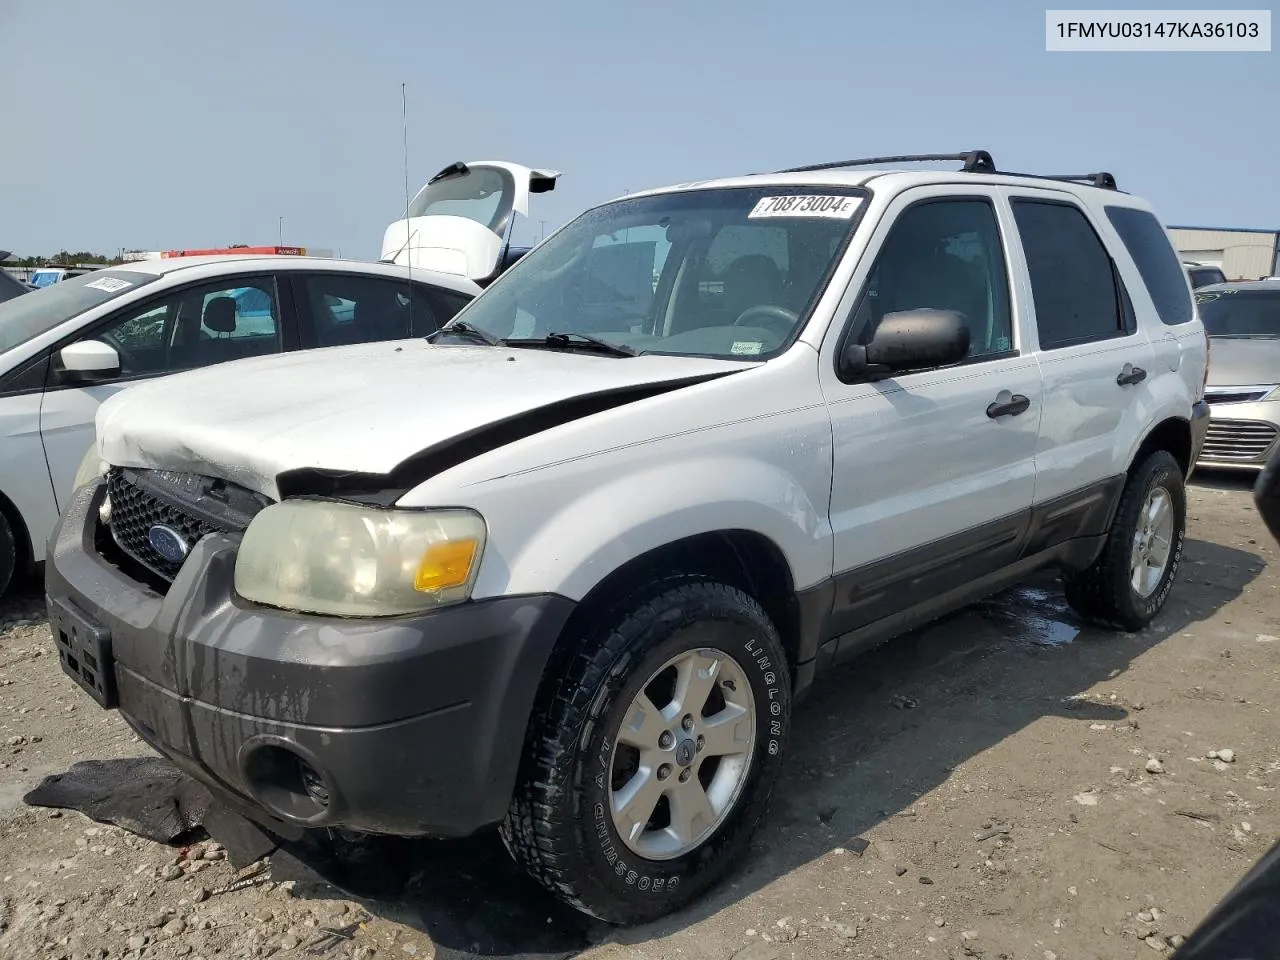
{"type": "Point", "coordinates": [806, 205]}
{"type": "Point", "coordinates": [109, 284]}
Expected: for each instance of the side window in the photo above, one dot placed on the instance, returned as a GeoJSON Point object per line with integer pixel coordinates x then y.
{"type": "Point", "coordinates": [1156, 261]}
{"type": "Point", "coordinates": [621, 276]}
{"type": "Point", "coordinates": [943, 255]}
{"type": "Point", "coordinates": [195, 327]}
{"type": "Point", "coordinates": [351, 308]}
{"type": "Point", "coordinates": [449, 303]}
{"type": "Point", "coordinates": [1074, 284]}
{"type": "Point", "coordinates": [141, 338]}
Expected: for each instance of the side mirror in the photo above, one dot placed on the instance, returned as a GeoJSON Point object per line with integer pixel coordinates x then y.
{"type": "Point", "coordinates": [90, 360]}
{"type": "Point", "coordinates": [911, 340]}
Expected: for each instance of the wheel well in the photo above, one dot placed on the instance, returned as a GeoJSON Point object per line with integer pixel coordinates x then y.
{"type": "Point", "coordinates": [1173, 435]}
{"type": "Point", "coordinates": [740, 558]}
{"type": "Point", "coordinates": [21, 538]}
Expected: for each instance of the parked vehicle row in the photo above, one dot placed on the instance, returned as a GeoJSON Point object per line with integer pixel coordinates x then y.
{"type": "Point", "coordinates": [566, 565]}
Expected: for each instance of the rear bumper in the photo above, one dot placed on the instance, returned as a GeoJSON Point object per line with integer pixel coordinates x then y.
{"type": "Point", "coordinates": [408, 726]}
{"type": "Point", "coordinates": [1238, 435]}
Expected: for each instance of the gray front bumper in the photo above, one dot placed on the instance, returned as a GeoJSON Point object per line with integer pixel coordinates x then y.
{"type": "Point", "coordinates": [414, 725]}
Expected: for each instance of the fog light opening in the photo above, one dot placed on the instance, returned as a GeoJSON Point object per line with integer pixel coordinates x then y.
{"type": "Point", "coordinates": [286, 784]}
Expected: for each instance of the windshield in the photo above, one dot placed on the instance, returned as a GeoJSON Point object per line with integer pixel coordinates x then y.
{"type": "Point", "coordinates": [1203, 276]}
{"type": "Point", "coordinates": [41, 310]}
{"type": "Point", "coordinates": [1238, 312]}
{"type": "Point", "coordinates": [45, 278]}
{"type": "Point", "coordinates": [482, 194]}
{"type": "Point", "coordinates": [728, 273]}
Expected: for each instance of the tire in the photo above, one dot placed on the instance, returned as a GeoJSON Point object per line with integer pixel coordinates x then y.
{"type": "Point", "coordinates": [8, 555]}
{"type": "Point", "coordinates": [561, 824]}
{"type": "Point", "coordinates": [1105, 593]}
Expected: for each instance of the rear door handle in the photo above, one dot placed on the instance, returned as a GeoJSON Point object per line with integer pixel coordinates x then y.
{"type": "Point", "coordinates": [1131, 375]}
{"type": "Point", "coordinates": [1015, 405]}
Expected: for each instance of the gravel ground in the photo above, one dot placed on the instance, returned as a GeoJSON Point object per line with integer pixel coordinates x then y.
{"type": "Point", "coordinates": [1005, 784]}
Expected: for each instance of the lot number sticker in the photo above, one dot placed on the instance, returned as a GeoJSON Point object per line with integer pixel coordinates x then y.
{"type": "Point", "coordinates": [109, 284]}
{"type": "Point", "coordinates": [806, 205]}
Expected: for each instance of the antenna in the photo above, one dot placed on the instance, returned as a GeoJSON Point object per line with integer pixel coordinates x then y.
{"type": "Point", "coordinates": [408, 238]}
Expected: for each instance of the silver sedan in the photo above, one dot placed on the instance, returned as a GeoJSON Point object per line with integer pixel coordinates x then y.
{"type": "Point", "coordinates": [1243, 324]}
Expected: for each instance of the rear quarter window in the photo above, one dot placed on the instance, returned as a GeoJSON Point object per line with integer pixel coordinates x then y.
{"type": "Point", "coordinates": [1157, 263]}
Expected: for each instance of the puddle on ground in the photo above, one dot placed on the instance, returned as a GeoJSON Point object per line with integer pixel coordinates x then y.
{"type": "Point", "coordinates": [1034, 615]}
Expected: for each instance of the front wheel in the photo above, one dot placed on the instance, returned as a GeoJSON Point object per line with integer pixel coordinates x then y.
{"type": "Point", "coordinates": [654, 757]}
{"type": "Point", "coordinates": [1129, 582]}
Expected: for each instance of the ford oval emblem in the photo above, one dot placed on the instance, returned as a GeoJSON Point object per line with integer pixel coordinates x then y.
{"type": "Point", "coordinates": [168, 543]}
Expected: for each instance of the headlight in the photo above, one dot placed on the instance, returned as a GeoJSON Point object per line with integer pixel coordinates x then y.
{"type": "Point", "coordinates": [345, 560]}
{"type": "Point", "coordinates": [91, 468]}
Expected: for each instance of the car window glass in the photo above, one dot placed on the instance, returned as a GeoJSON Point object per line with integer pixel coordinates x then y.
{"type": "Point", "coordinates": [1073, 280]}
{"type": "Point", "coordinates": [195, 327]}
{"type": "Point", "coordinates": [943, 255]}
{"type": "Point", "coordinates": [449, 302]}
{"type": "Point", "coordinates": [1240, 312]}
{"type": "Point", "coordinates": [711, 272]}
{"type": "Point", "coordinates": [1157, 263]}
{"type": "Point", "coordinates": [350, 308]}
{"type": "Point", "coordinates": [483, 194]}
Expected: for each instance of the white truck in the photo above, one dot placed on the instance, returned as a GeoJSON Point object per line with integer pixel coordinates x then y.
{"type": "Point", "coordinates": [462, 220]}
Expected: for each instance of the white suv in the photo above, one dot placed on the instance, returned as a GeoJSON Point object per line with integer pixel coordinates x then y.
{"type": "Point", "coordinates": [567, 566]}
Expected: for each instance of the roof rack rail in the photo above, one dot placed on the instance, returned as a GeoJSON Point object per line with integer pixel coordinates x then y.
{"type": "Point", "coordinates": [974, 161]}
{"type": "Point", "coordinates": [1101, 179]}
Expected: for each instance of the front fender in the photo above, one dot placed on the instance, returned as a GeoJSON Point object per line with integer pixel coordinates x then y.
{"type": "Point", "coordinates": [586, 537]}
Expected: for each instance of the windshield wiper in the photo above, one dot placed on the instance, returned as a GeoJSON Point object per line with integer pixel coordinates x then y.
{"type": "Point", "coordinates": [472, 332]}
{"type": "Point", "coordinates": [574, 340]}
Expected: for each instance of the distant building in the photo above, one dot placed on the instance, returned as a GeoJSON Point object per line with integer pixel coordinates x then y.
{"type": "Point", "coordinates": [1241, 254]}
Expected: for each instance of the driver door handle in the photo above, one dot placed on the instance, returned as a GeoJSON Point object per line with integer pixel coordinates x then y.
{"type": "Point", "coordinates": [1131, 375]}
{"type": "Point", "coordinates": [1015, 405]}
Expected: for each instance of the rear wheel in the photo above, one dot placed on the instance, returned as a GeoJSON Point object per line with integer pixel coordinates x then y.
{"type": "Point", "coordinates": [1130, 581]}
{"type": "Point", "coordinates": [654, 757]}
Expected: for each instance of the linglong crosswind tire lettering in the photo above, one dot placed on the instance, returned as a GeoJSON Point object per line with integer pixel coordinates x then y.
{"type": "Point", "coordinates": [653, 752]}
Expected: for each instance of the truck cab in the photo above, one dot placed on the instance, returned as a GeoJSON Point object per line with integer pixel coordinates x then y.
{"type": "Point", "coordinates": [461, 221]}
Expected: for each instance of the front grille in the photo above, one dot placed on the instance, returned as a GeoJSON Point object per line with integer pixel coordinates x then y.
{"type": "Point", "coordinates": [1237, 396]}
{"type": "Point", "coordinates": [1238, 441]}
{"type": "Point", "coordinates": [189, 506]}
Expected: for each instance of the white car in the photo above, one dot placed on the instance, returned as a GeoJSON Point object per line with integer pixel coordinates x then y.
{"type": "Point", "coordinates": [567, 565]}
{"type": "Point", "coordinates": [65, 349]}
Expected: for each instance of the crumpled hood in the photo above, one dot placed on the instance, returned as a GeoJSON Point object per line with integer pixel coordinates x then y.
{"type": "Point", "coordinates": [1244, 361]}
{"type": "Point", "coordinates": [361, 409]}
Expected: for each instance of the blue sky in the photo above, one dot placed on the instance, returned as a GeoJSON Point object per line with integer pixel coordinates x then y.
{"type": "Point", "coordinates": [155, 124]}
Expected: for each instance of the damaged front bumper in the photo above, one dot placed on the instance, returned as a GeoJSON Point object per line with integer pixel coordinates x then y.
{"type": "Point", "coordinates": [406, 726]}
